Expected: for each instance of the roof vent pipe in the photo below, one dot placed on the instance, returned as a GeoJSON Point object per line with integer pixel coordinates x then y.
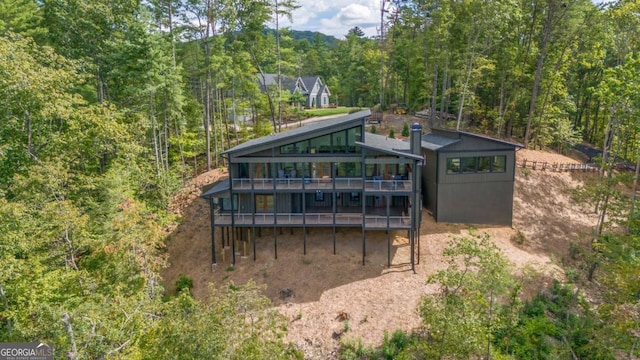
{"type": "Point", "coordinates": [416, 139]}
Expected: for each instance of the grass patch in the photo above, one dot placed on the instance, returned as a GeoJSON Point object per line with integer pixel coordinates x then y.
{"type": "Point", "coordinates": [328, 111]}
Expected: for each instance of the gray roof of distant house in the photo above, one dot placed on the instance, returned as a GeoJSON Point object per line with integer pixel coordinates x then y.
{"type": "Point", "coordinates": [272, 80]}
{"type": "Point", "coordinates": [307, 128]}
{"type": "Point", "coordinates": [309, 81]}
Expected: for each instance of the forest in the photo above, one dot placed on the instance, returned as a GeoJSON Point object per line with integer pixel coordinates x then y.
{"type": "Point", "coordinates": [108, 107]}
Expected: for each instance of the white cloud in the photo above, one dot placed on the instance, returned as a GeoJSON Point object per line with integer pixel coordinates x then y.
{"type": "Point", "coordinates": [332, 17]}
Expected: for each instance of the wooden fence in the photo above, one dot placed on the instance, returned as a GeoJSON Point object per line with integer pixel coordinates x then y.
{"type": "Point", "coordinates": [544, 166]}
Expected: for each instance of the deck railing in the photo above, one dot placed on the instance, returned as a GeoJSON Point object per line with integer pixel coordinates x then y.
{"type": "Point", "coordinates": [311, 219]}
{"type": "Point", "coordinates": [321, 183]}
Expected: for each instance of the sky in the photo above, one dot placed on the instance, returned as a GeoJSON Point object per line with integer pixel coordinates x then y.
{"type": "Point", "coordinates": [336, 17]}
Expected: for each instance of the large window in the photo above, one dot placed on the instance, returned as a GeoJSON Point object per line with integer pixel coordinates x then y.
{"type": "Point", "coordinates": [264, 203]}
{"type": "Point", "coordinates": [320, 144]}
{"type": "Point", "coordinates": [453, 165]}
{"type": "Point", "coordinates": [468, 164]}
{"type": "Point", "coordinates": [349, 169]}
{"type": "Point", "coordinates": [226, 203]}
{"type": "Point", "coordinates": [339, 142]}
{"type": "Point", "coordinates": [476, 164]}
{"type": "Point", "coordinates": [353, 135]}
{"type": "Point", "coordinates": [484, 164]}
{"type": "Point", "coordinates": [499, 164]}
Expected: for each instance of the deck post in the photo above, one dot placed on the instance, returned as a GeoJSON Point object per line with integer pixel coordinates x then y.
{"type": "Point", "coordinates": [304, 223]}
{"type": "Point", "coordinates": [364, 240]}
{"type": "Point", "coordinates": [213, 232]}
{"type": "Point", "coordinates": [275, 220]}
{"type": "Point", "coordinates": [334, 205]}
{"type": "Point", "coordinates": [233, 247]}
{"type": "Point", "coordinates": [253, 240]}
{"type": "Point", "coordinates": [413, 251]}
{"type": "Point", "coordinates": [419, 225]}
{"type": "Point", "coordinates": [388, 249]}
{"type": "Point", "coordinates": [334, 240]}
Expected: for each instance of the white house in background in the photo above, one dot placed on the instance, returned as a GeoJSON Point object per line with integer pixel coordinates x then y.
{"type": "Point", "coordinates": [315, 91]}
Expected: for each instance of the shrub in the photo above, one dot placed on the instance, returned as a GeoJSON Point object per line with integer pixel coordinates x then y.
{"type": "Point", "coordinates": [405, 130]}
{"type": "Point", "coordinates": [184, 282]}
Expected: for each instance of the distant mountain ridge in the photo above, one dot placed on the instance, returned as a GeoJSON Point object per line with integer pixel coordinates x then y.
{"type": "Point", "coordinates": [330, 41]}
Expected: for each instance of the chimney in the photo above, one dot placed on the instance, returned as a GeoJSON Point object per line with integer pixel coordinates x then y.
{"type": "Point", "coordinates": [416, 139]}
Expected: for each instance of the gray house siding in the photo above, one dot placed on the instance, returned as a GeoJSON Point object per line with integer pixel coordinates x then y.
{"type": "Point", "coordinates": [479, 196]}
{"type": "Point", "coordinates": [283, 203]}
{"type": "Point", "coordinates": [476, 144]}
{"type": "Point", "coordinates": [429, 181]}
{"type": "Point", "coordinates": [476, 203]}
{"type": "Point", "coordinates": [245, 202]}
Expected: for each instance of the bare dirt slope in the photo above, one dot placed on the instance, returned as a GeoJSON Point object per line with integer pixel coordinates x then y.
{"type": "Point", "coordinates": [310, 290]}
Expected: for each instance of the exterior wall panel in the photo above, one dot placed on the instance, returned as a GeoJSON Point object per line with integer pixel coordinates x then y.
{"type": "Point", "coordinates": [477, 203]}
{"type": "Point", "coordinates": [283, 203]}
{"type": "Point", "coordinates": [470, 143]}
{"type": "Point", "coordinates": [429, 184]}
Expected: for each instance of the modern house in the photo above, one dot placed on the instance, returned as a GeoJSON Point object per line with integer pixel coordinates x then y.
{"type": "Point", "coordinates": [328, 174]}
{"type": "Point", "coordinates": [315, 91]}
{"type": "Point", "coordinates": [468, 178]}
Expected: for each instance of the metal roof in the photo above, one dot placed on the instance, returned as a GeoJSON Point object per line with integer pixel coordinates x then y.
{"type": "Point", "coordinates": [309, 128]}
{"type": "Point", "coordinates": [435, 142]}
{"type": "Point", "coordinates": [384, 142]}
{"type": "Point", "coordinates": [388, 145]}
{"type": "Point", "coordinates": [491, 139]}
{"type": "Point", "coordinates": [219, 189]}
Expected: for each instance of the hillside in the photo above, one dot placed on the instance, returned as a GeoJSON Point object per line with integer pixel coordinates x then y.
{"type": "Point", "coordinates": [376, 298]}
{"type": "Point", "coordinates": [330, 41]}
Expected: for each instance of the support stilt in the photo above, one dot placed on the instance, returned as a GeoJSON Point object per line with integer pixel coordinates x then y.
{"type": "Point", "coordinates": [388, 249]}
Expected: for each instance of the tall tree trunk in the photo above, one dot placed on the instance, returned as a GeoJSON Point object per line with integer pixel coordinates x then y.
{"type": "Point", "coordinates": [464, 87]}
{"type": "Point", "coordinates": [553, 17]}
{"type": "Point", "coordinates": [434, 94]}
{"type": "Point", "coordinates": [152, 118]}
{"type": "Point", "coordinates": [633, 195]}
{"type": "Point", "coordinates": [501, 105]}
{"type": "Point", "coordinates": [443, 109]}
{"type": "Point", "coordinates": [426, 83]}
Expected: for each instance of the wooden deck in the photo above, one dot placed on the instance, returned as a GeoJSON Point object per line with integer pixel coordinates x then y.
{"type": "Point", "coordinates": [371, 221]}
{"type": "Point", "coordinates": [322, 184]}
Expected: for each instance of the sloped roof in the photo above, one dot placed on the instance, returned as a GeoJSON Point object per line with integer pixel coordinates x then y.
{"type": "Point", "coordinates": [438, 140]}
{"type": "Point", "coordinates": [272, 80]}
{"type": "Point", "coordinates": [435, 142]}
{"type": "Point", "coordinates": [219, 189]}
{"type": "Point", "coordinates": [309, 128]}
{"type": "Point", "coordinates": [309, 81]}
{"type": "Point", "coordinates": [388, 145]}
{"type": "Point", "coordinates": [491, 139]}
{"type": "Point", "coordinates": [325, 88]}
